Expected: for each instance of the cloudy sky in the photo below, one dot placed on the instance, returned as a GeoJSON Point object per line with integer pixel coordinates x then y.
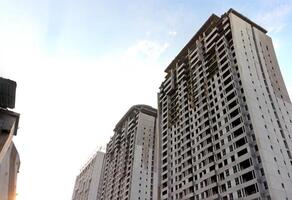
{"type": "Point", "coordinates": [80, 64]}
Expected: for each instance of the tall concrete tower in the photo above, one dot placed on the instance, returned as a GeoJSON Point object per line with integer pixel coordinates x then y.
{"type": "Point", "coordinates": [130, 165]}
{"type": "Point", "coordinates": [225, 116]}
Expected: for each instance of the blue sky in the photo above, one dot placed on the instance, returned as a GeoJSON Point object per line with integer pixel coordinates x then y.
{"type": "Point", "coordinates": [91, 29]}
{"type": "Point", "coordinates": [81, 64]}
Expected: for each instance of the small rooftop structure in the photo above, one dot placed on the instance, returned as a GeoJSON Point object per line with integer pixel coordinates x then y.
{"type": "Point", "coordinates": [7, 93]}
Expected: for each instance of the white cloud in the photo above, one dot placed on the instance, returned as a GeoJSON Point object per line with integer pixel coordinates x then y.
{"type": "Point", "coordinates": [276, 43]}
{"type": "Point", "coordinates": [146, 49]}
{"type": "Point", "coordinates": [172, 33]}
{"type": "Point", "coordinates": [76, 95]}
{"type": "Point", "coordinates": [275, 20]}
{"type": "Point", "coordinates": [88, 97]}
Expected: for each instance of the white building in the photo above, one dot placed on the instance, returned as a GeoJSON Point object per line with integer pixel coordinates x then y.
{"type": "Point", "coordinates": [130, 165]}
{"type": "Point", "coordinates": [225, 117]}
{"type": "Point", "coordinates": [87, 182]}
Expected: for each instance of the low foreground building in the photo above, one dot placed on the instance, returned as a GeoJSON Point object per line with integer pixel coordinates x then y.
{"type": "Point", "coordinates": [9, 158]}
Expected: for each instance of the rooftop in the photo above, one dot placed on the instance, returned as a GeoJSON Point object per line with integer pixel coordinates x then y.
{"type": "Point", "coordinates": [210, 21]}
{"type": "Point", "coordinates": [140, 108]}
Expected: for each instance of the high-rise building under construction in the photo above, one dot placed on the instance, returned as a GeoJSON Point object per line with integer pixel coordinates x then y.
{"type": "Point", "coordinates": [130, 163]}
{"type": "Point", "coordinates": [225, 116]}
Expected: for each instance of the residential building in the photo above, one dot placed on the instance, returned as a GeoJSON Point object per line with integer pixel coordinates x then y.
{"type": "Point", "coordinates": [88, 181]}
{"type": "Point", "coordinates": [130, 165]}
{"type": "Point", "coordinates": [225, 118]}
{"type": "Point", "coordinates": [9, 158]}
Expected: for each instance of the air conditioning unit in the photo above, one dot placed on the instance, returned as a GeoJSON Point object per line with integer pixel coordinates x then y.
{"type": "Point", "coordinates": [7, 93]}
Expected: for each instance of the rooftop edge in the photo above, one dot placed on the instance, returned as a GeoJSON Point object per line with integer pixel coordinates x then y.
{"type": "Point", "coordinates": [212, 18]}
{"type": "Point", "coordinates": [139, 107]}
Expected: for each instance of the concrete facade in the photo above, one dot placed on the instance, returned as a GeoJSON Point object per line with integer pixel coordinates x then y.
{"type": "Point", "coordinates": [130, 166]}
{"type": "Point", "coordinates": [9, 167]}
{"type": "Point", "coordinates": [225, 117]}
{"type": "Point", "coordinates": [88, 181]}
